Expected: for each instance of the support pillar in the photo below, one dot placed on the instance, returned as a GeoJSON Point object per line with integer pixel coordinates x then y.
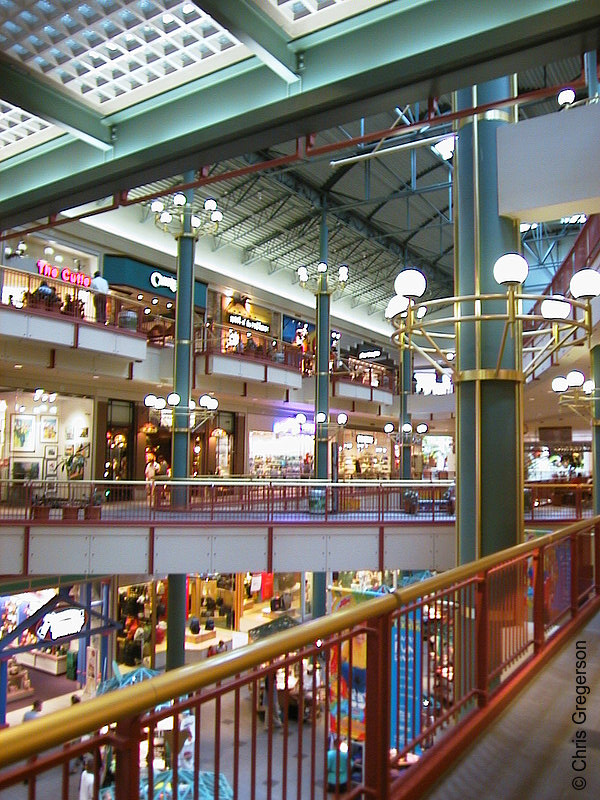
{"type": "Point", "coordinates": [182, 384]}
{"type": "Point", "coordinates": [489, 400]}
{"type": "Point", "coordinates": [323, 341]}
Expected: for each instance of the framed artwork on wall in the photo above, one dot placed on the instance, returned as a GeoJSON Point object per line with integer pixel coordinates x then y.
{"type": "Point", "coordinates": [22, 433]}
{"type": "Point", "coordinates": [51, 451]}
{"type": "Point", "coordinates": [69, 432]}
{"type": "Point", "coordinates": [69, 449]}
{"type": "Point", "coordinates": [48, 429]}
{"type": "Point", "coordinates": [84, 432]}
{"type": "Point", "coordinates": [50, 468]}
{"type": "Point", "coordinates": [26, 469]}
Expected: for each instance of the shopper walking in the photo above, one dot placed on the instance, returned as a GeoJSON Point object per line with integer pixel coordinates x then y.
{"type": "Point", "coordinates": [100, 287]}
{"type": "Point", "coordinates": [86, 784]}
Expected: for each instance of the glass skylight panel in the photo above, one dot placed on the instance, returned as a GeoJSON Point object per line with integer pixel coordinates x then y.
{"type": "Point", "coordinates": [73, 44]}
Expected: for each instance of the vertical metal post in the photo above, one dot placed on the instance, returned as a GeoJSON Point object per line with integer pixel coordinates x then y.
{"type": "Point", "coordinates": [378, 708]}
{"type": "Point", "coordinates": [323, 340]}
{"type": "Point", "coordinates": [573, 547]}
{"type": "Point", "coordinates": [590, 64]}
{"type": "Point", "coordinates": [127, 773]}
{"type": "Point", "coordinates": [182, 384]}
{"type": "Point", "coordinates": [482, 637]}
{"type": "Point", "coordinates": [3, 690]}
{"type": "Point", "coordinates": [595, 364]}
{"type": "Point", "coordinates": [538, 601]}
{"type": "Point", "coordinates": [105, 597]}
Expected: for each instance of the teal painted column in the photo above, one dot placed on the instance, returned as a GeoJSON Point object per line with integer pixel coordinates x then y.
{"type": "Point", "coordinates": [323, 342]}
{"type": "Point", "coordinates": [182, 384]}
{"type": "Point", "coordinates": [489, 403]}
{"type": "Point", "coordinates": [595, 361]}
{"type": "Point", "coordinates": [405, 438]}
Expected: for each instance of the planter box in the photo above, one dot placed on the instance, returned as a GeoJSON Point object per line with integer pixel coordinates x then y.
{"type": "Point", "coordinates": [70, 512]}
{"type": "Point", "coordinates": [41, 512]}
{"type": "Point", "coordinates": [92, 512]}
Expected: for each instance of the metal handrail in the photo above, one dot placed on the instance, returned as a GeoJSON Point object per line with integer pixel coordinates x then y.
{"type": "Point", "coordinates": [68, 724]}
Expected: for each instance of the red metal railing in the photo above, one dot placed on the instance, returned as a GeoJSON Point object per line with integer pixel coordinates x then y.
{"type": "Point", "coordinates": [206, 500]}
{"type": "Point", "coordinates": [403, 680]}
{"type": "Point", "coordinates": [76, 302]}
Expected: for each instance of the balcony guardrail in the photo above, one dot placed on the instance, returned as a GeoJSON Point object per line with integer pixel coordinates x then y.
{"type": "Point", "coordinates": [207, 500]}
{"type": "Point", "coordinates": [393, 688]}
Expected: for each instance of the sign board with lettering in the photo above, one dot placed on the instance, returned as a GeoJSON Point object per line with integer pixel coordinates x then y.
{"type": "Point", "coordinates": [124, 271]}
{"type": "Point", "coordinates": [57, 624]}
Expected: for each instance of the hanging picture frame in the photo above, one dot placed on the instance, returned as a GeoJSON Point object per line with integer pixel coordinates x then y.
{"type": "Point", "coordinates": [51, 469]}
{"type": "Point", "coordinates": [27, 469]}
{"type": "Point", "coordinates": [48, 428]}
{"type": "Point", "coordinates": [22, 433]}
{"type": "Point", "coordinates": [51, 451]}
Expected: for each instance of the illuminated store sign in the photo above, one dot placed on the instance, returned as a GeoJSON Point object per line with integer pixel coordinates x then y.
{"type": "Point", "coordinates": [251, 324]}
{"type": "Point", "coordinates": [291, 427]}
{"type": "Point", "coordinates": [57, 624]}
{"type": "Point", "coordinates": [369, 354]}
{"type": "Point", "coordinates": [365, 438]}
{"type": "Point", "coordinates": [157, 279]}
{"type": "Point", "coordinates": [64, 274]}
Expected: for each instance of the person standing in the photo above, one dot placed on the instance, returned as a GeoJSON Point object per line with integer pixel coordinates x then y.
{"type": "Point", "coordinates": [86, 784]}
{"type": "Point", "coordinates": [100, 287]}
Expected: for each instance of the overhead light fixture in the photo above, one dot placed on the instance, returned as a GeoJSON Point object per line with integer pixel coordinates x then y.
{"type": "Point", "coordinates": [556, 307]}
{"type": "Point", "coordinates": [322, 266]}
{"type": "Point", "coordinates": [410, 283]}
{"type": "Point", "coordinates": [140, 297]}
{"type": "Point", "coordinates": [398, 304]}
{"type": "Point", "coordinates": [173, 399]}
{"type": "Point", "coordinates": [585, 284]}
{"type": "Point", "coordinates": [388, 427]}
{"type": "Point", "coordinates": [445, 147]}
{"type": "Point", "coordinates": [342, 418]}
{"type": "Point", "coordinates": [566, 97]}
{"type": "Point", "coordinates": [511, 269]}
{"type": "Point", "coordinates": [321, 417]}
{"type": "Point", "coordinates": [422, 428]}
{"type": "Point", "coordinates": [407, 427]}
{"type": "Point", "coordinates": [575, 378]}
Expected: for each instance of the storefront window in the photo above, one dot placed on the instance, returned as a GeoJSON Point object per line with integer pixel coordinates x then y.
{"type": "Point", "coordinates": [364, 455]}
{"type": "Point", "coordinates": [119, 436]}
{"type": "Point", "coordinates": [280, 455]}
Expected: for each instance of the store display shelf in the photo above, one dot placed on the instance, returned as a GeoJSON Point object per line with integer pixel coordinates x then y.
{"type": "Point", "coordinates": [45, 662]}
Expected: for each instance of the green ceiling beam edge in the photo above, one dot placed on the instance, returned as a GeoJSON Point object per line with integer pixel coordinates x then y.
{"type": "Point", "coordinates": [418, 54]}
{"type": "Point", "coordinates": [257, 31]}
{"type": "Point", "coordinates": [36, 97]}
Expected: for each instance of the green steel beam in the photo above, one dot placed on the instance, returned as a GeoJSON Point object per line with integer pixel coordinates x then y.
{"type": "Point", "coordinates": [420, 51]}
{"type": "Point", "coordinates": [257, 31]}
{"type": "Point", "coordinates": [36, 97]}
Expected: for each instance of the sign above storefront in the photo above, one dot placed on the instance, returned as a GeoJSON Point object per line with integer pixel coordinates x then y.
{"type": "Point", "coordinates": [63, 274]}
{"type": "Point", "coordinates": [157, 279]}
{"type": "Point", "coordinates": [250, 324]}
{"type": "Point", "coordinates": [292, 427]}
{"type": "Point", "coordinates": [365, 438]}
{"type": "Point", "coordinates": [366, 354]}
{"type": "Point", "coordinates": [57, 624]}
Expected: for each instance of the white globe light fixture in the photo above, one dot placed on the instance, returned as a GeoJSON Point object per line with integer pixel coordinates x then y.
{"type": "Point", "coordinates": [179, 199]}
{"type": "Point", "coordinates": [160, 403]}
{"type": "Point", "coordinates": [445, 147]}
{"type": "Point", "coordinates": [204, 401]}
{"type": "Point", "coordinates": [173, 399]}
{"type": "Point", "coordinates": [342, 418]}
{"type": "Point", "coordinates": [407, 428]}
{"type": "Point", "coordinates": [210, 204]}
{"type": "Point", "coordinates": [321, 417]}
{"type": "Point", "coordinates": [388, 427]}
{"type": "Point", "coordinates": [150, 400]}
{"type": "Point", "coordinates": [575, 378]}
{"type": "Point", "coordinates": [555, 307]}
{"type": "Point", "coordinates": [343, 273]}
{"type": "Point", "coordinates": [301, 418]}
{"type": "Point", "coordinates": [322, 266]}
{"type": "Point", "coordinates": [302, 273]}
{"type": "Point", "coordinates": [588, 387]}
{"type": "Point", "coordinates": [410, 283]}
{"type": "Point", "coordinates": [398, 304]}
{"type": "Point", "coordinates": [585, 284]}
{"type": "Point", "coordinates": [560, 384]}
{"type": "Point", "coordinates": [510, 269]}
{"type": "Point", "coordinates": [157, 206]}
{"type": "Point", "coordinates": [422, 428]}
{"type": "Point", "coordinates": [566, 97]}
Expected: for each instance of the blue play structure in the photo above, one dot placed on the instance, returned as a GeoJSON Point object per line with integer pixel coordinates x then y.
{"type": "Point", "coordinates": [163, 787]}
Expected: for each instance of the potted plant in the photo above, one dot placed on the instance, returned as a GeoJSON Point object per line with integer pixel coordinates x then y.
{"type": "Point", "coordinates": [92, 510]}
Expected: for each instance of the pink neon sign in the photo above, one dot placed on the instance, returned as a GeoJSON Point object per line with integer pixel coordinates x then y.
{"type": "Point", "coordinates": [64, 274]}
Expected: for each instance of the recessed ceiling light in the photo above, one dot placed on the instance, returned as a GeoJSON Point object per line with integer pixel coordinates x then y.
{"type": "Point", "coordinates": [169, 304]}
{"type": "Point", "coordinates": [154, 301]}
{"type": "Point", "coordinates": [18, 366]}
{"type": "Point", "coordinates": [140, 296]}
{"type": "Point", "coordinates": [95, 377]}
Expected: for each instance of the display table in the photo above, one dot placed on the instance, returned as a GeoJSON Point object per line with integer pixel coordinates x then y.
{"type": "Point", "coordinates": [203, 636]}
{"type": "Point", "coordinates": [19, 685]}
{"type": "Point", "coordinates": [45, 662]}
